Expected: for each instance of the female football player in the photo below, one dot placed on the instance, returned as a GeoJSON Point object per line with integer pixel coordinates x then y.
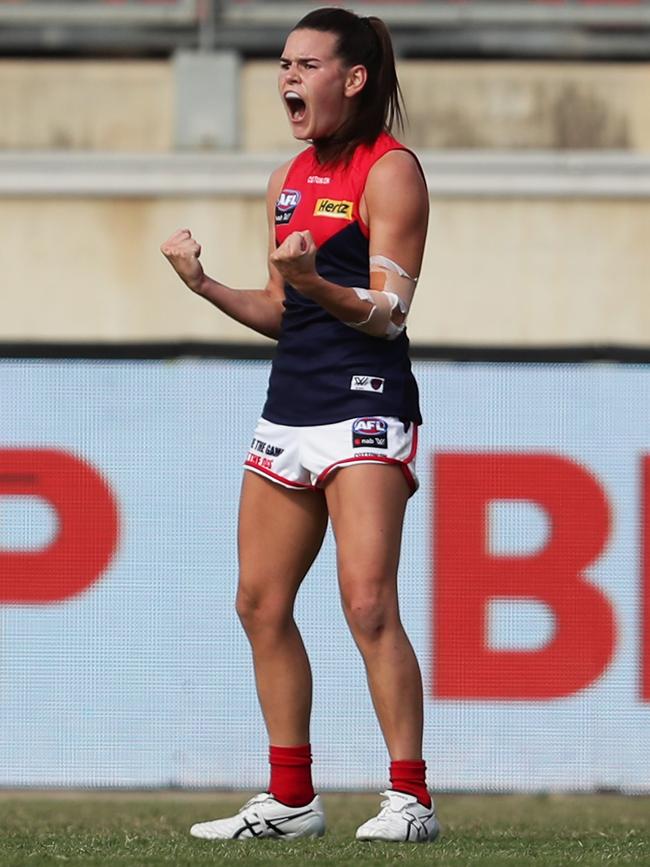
{"type": "Point", "coordinates": [338, 434]}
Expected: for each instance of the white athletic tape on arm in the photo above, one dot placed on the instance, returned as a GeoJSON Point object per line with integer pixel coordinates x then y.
{"type": "Point", "coordinates": [389, 265]}
{"type": "Point", "coordinates": [378, 322]}
{"type": "Point", "coordinates": [398, 291]}
{"type": "Point", "coordinates": [397, 281]}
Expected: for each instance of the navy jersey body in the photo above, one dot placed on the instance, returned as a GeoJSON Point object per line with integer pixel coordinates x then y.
{"type": "Point", "coordinates": [325, 371]}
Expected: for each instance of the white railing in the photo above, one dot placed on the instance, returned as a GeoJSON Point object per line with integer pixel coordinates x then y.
{"type": "Point", "coordinates": [461, 174]}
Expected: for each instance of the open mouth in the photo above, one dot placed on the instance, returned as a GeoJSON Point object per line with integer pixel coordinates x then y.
{"type": "Point", "coordinates": [296, 106]}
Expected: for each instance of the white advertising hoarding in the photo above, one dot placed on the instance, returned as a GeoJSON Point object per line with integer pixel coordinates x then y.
{"type": "Point", "coordinates": [525, 581]}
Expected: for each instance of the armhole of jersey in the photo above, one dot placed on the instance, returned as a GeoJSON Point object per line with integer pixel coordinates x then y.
{"type": "Point", "coordinates": [287, 174]}
{"type": "Point", "coordinates": [365, 228]}
{"type": "Point", "coordinates": [419, 165]}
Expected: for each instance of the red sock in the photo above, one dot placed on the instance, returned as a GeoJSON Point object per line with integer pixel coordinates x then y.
{"type": "Point", "coordinates": [291, 775]}
{"type": "Point", "coordinates": [410, 777]}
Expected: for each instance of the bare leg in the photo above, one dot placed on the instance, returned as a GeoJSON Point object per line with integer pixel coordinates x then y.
{"type": "Point", "coordinates": [280, 533]}
{"type": "Point", "coordinates": [366, 504]}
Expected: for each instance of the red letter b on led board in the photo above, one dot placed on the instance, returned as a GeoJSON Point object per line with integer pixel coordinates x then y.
{"type": "Point", "coordinates": [468, 576]}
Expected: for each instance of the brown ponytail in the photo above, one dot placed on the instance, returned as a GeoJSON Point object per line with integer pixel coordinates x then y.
{"type": "Point", "coordinates": [380, 105]}
{"type": "Point", "coordinates": [388, 85]}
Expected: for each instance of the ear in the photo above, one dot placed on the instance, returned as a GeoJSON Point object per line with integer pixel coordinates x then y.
{"type": "Point", "coordinates": [355, 80]}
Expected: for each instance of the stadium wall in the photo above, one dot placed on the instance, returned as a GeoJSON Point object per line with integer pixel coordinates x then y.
{"type": "Point", "coordinates": [520, 258]}
{"type": "Point", "coordinates": [132, 105]}
{"type": "Point", "coordinates": [500, 105]}
{"type": "Point", "coordinates": [525, 580]}
{"type": "Point", "coordinates": [86, 105]}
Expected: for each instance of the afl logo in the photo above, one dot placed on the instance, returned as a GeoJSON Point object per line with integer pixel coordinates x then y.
{"type": "Point", "coordinates": [286, 204]}
{"type": "Point", "coordinates": [370, 432]}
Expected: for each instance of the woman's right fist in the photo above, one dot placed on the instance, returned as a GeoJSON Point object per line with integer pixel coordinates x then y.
{"type": "Point", "coordinates": [182, 252]}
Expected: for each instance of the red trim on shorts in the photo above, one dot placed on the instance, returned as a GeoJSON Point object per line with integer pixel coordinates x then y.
{"type": "Point", "coordinates": [379, 459]}
{"type": "Point", "coordinates": [410, 479]}
{"type": "Point", "coordinates": [276, 477]}
{"type": "Point", "coordinates": [414, 444]}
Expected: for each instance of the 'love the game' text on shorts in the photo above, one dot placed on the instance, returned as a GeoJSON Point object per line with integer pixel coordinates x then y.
{"type": "Point", "coordinates": [304, 457]}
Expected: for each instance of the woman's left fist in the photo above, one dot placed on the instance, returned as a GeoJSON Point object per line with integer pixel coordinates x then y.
{"type": "Point", "coordinates": [295, 259]}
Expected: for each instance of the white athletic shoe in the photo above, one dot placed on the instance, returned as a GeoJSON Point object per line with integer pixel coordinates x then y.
{"type": "Point", "coordinates": [402, 819]}
{"type": "Point", "coordinates": [263, 816]}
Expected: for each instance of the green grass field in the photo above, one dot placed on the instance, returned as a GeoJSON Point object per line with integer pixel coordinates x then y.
{"type": "Point", "coordinates": [85, 829]}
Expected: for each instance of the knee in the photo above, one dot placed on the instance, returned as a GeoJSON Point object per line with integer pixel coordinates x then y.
{"type": "Point", "coordinates": [369, 616]}
{"type": "Point", "coordinates": [259, 612]}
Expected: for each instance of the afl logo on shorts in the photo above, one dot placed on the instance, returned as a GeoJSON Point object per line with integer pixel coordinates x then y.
{"type": "Point", "coordinates": [371, 432]}
{"type": "Point", "coordinates": [285, 206]}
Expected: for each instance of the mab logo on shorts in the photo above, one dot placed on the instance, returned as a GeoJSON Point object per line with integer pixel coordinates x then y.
{"type": "Point", "coordinates": [370, 432]}
{"type": "Point", "coordinates": [286, 204]}
{"type": "Point", "coordinates": [340, 209]}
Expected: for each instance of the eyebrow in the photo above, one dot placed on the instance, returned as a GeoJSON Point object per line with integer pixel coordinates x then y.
{"type": "Point", "coordinates": [302, 60]}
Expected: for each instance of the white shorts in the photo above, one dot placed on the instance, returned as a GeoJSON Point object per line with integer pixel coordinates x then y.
{"type": "Point", "coordinates": [302, 458]}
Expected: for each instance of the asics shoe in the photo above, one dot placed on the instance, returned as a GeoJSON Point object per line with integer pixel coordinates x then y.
{"type": "Point", "coordinates": [263, 816]}
{"type": "Point", "coordinates": [402, 819]}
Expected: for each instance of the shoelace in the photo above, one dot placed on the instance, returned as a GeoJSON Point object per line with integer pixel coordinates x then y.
{"type": "Point", "coordinates": [386, 805]}
{"type": "Point", "coordinates": [256, 799]}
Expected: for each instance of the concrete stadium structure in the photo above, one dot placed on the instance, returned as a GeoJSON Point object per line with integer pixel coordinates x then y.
{"type": "Point", "coordinates": [539, 177]}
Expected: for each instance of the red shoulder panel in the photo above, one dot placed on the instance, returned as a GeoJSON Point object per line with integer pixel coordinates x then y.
{"type": "Point", "coordinates": [325, 199]}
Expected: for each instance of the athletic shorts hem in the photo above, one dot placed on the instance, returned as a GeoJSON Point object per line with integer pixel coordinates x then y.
{"type": "Point", "coordinates": [274, 477]}
{"type": "Point", "coordinates": [376, 459]}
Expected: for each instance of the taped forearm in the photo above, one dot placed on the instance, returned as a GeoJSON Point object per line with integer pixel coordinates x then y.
{"type": "Point", "coordinates": [390, 305]}
{"type": "Point", "coordinates": [379, 320]}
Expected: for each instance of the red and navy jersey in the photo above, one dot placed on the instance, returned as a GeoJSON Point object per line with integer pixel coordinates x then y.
{"type": "Point", "coordinates": [325, 371]}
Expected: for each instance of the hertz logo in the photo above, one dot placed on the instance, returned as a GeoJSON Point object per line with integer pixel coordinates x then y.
{"type": "Point", "coordinates": [342, 210]}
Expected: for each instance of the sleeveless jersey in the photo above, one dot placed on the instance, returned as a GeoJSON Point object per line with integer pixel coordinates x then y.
{"type": "Point", "coordinates": [325, 371]}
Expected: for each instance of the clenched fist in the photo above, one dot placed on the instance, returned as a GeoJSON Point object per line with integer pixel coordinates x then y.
{"type": "Point", "coordinates": [183, 252]}
{"type": "Point", "coordinates": [295, 259]}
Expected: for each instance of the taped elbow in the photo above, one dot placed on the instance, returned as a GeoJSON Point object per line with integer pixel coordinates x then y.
{"type": "Point", "coordinates": [379, 322]}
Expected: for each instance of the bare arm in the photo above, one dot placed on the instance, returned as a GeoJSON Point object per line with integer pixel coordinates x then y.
{"type": "Point", "coordinates": [259, 309]}
{"type": "Point", "coordinates": [396, 204]}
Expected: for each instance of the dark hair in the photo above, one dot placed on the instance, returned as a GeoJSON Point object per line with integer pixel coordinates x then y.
{"type": "Point", "coordinates": [380, 105]}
